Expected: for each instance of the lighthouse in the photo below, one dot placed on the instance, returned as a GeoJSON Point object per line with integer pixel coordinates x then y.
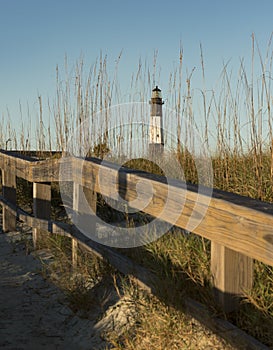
{"type": "Point", "coordinates": [156, 138]}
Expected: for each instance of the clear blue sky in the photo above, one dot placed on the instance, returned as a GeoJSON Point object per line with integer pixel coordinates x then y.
{"type": "Point", "coordinates": [35, 36]}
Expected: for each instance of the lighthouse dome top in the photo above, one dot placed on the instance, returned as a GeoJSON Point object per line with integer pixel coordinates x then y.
{"type": "Point", "coordinates": [156, 92]}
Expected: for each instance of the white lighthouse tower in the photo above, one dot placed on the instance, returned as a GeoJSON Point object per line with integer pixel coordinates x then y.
{"type": "Point", "coordinates": [156, 139]}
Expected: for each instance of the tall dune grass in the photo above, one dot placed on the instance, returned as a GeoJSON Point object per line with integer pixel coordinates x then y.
{"type": "Point", "coordinates": [234, 120]}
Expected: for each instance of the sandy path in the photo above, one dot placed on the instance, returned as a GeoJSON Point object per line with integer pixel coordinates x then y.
{"type": "Point", "coordinates": [33, 312]}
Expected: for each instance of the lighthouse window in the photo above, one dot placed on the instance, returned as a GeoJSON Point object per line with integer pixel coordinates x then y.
{"type": "Point", "coordinates": [157, 135]}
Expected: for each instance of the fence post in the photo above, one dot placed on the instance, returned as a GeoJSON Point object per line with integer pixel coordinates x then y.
{"type": "Point", "coordinates": [232, 274]}
{"type": "Point", "coordinates": [83, 215]}
{"type": "Point", "coordinates": [41, 205]}
{"type": "Point", "coordinates": [9, 193]}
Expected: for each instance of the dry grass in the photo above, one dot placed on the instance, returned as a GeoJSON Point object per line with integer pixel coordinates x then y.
{"type": "Point", "coordinates": [162, 327]}
{"type": "Point", "coordinates": [151, 323]}
{"type": "Point", "coordinates": [235, 123]}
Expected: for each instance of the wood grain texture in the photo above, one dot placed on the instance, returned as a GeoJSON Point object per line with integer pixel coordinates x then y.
{"type": "Point", "coordinates": [238, 223]}
{"type": "Point", "coordinates": [232, 275]}
{"type": "Point", "coordinates": [41, 205]}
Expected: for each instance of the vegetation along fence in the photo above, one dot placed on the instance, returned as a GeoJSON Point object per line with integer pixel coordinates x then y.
{"type": "Point", "coordinates": [240, 229]}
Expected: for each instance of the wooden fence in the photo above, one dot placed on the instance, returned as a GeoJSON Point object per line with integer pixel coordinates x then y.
{"type": "Point", "coordinates": [240, 229]}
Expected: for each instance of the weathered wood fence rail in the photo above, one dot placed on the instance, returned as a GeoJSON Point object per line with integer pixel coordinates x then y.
{"type": "Point", "coordinates": [240, 229]}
